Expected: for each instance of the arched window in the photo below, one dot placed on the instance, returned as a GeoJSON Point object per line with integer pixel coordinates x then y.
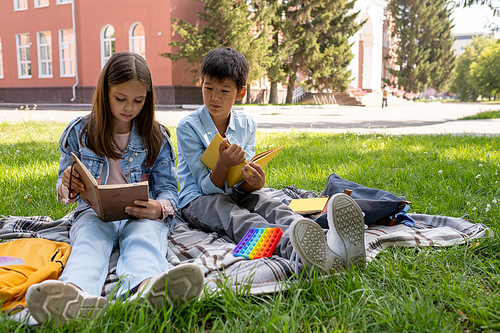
{"type": "Point", "coordinates": [137, 39]}
{"type": "Point", "coordinates": [107, 43]}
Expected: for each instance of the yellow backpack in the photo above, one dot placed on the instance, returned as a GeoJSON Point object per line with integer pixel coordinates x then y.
{"type": "Point", "coordinates": [24, 262]}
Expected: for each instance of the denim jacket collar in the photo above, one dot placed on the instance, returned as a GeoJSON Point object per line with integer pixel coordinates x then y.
{"type": "Point", "coordinates": [135, 142]}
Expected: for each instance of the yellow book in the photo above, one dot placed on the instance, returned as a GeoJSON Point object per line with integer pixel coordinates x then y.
{"type": "Point", "coordinates": [234, 176]}
{"type": "Point", "coordinates": [309, 206]}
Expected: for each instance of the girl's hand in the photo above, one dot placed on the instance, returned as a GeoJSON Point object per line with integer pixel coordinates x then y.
{"type": "Point", "coordinates": [254, 176]}
{"type": "Point", "coordinates": [150, 209]}
{"type": "Point", "coordinates": [76, 183]}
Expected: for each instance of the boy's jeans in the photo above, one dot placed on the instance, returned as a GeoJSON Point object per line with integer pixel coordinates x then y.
{"type": "Point", "coordinates": [236, 213]}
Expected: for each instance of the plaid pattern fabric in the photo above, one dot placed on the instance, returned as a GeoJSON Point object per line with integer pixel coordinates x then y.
{"type": "Point", "coordinates": [214, 252]}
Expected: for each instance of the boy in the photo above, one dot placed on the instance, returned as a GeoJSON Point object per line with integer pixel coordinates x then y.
{"type": "Point", "coordinates": [207, 203]}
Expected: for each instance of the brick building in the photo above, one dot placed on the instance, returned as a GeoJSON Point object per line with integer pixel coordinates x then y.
{"type": "Point", "coordinates": [51, 51]}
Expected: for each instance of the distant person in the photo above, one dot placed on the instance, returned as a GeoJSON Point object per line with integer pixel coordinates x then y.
{"type": "Point", "coordinates": [385, 93]}
{"type": "Point", "coordinates": [205, 200]}
{"type": "Point", "coordinates": [119, 142]}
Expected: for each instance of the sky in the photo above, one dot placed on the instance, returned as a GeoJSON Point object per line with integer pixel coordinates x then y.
{"type": "Point", "coordinates": [473, 19]}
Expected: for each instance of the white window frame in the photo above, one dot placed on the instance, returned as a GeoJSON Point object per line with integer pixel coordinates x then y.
{"type": "Point", "coordinates": [44, 62]}
{"type": "Point", "coordinates": [38, 3]}
{"type": "Point", "coordinates": [18, 3]}
{"type": "Point", "coordinates": [66, 46]}
{"type": "Point", "coordinates": [20, 72]}
{"type": "Point", "coordinates": [1, 59]}
{"type": "Point", "coordinates": [63, 2]}
{"type": "Point", "coordinates": [105, 43]}
{"type": "Point", "coordinates": [133, 38]}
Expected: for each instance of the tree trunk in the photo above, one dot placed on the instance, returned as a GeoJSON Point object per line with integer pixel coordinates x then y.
{"type": "Point", "coordinates": [249, 97]}
{"type": "Point", "coordinates": [291, 88]}
{"type": "Point", "coordinates": [273, 93]}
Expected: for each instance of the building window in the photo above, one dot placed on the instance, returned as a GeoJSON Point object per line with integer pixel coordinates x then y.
{"type": "Point", "coordinates": [41, 3]}
{"type": "Point", "coordinates": [138, 39]}
{"type": "Point", "coordinates": [23, 55]}
{"type": "Point", "coordinates": [67, 52]}
{"type": "Point", "coordinates": [1, 59]}
{"type": "Point", "coordinates": [20, 4]}
{"type": "Point", "coordinates": [61, 2]}
{"type": "Point", "coordinates": [44, 54]}
{"type": "Point", "coordinates": [107, 43]}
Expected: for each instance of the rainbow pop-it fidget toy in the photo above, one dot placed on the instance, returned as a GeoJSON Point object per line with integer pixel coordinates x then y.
{"type": "Point", "coordinates": [258, 243]}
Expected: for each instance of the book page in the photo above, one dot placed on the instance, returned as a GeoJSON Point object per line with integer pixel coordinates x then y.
{"type": "Point", "coordinates": [309, 205]}
{"type": "Point", "coordinates": [90, 195]}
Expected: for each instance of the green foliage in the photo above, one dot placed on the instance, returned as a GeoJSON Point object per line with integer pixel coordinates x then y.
{"type": "Point", "coordinates": [424, 53]}
{"type": "Point", "coordinates": [484, 115]}
{"type": "Point", "coordinates": [320, 31]}
{"type": "Point", "coordinates": [492, 5]}
{"type": "Point", "coordinates": [277, 38]}
{"type": "Point", "coordinates": [464, 81]}
{"type": "Point", "coordinates": [422, 289]}
{"type": "Point", "coordinates": [486, 70]}
{"type": "Point", "coordinates": [223, 23]}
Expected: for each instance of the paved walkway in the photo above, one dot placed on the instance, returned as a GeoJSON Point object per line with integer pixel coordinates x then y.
{"type": "Point", "coordinates": [408, 118]}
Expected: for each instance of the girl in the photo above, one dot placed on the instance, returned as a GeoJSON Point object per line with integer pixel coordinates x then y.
{"type": "Point", "coordinates": [119, 142]}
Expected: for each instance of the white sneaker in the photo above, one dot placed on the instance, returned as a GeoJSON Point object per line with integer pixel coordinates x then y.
{"type": "Point", "coordinates": [177, 285]}
{"type": "Point", "coordinates": [57, 302]}
{"type": "Point", "coordinates": [309, 242]}
{"type": "Point", "coordinates": [347, 229]}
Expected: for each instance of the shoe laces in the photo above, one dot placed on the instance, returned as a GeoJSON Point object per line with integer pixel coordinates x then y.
{"type": "Point", "coordinates": [295, 261]}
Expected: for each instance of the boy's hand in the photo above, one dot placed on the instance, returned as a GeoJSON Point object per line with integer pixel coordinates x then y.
{"type": "Point", "coordinates": [230, 155]}
{"type": "Point", "coordinates": [254, 176]}
{"type": "Point", "coordinates": [76, 183]}
{"type": "Point", "coordinates": [150, 209]}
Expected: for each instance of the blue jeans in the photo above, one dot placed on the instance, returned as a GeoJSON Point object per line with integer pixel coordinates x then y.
{"type": "Point", "coordinates": [143, 248]}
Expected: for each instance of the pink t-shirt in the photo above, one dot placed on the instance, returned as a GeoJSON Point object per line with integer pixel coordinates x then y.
{"type": "Point", "coordinates": [115, 170]}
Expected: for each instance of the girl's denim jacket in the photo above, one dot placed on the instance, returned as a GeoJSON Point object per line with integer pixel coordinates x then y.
{"type": "Point", "coordinates": [161, 177]}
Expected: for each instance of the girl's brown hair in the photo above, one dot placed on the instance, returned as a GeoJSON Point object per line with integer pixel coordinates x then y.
{"type": "Point", "coordinates": [120, 68]}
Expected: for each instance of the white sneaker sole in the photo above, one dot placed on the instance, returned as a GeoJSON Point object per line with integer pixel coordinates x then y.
{"type": "Point", "coordinates": [180, 284]}
{"type": "Point", "coordinates": [309, 241]}
{"type": "Point", "coordinates": [347, 218]}
{"type": "Point", "coordinates": [56, 302]}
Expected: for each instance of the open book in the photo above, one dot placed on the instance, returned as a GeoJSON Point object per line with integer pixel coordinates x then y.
{"type": "Point", "coordinates": [234, 176]}
{"type": "Point", "coordinates": [309, 206]}
{"type": "Point", "coordinates": [109, 201]}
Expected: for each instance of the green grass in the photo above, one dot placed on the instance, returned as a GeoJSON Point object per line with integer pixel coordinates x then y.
{"type": "Point", "coordinates": [402, 290]}
{"type": "Point", "coordinates": [492, 114]}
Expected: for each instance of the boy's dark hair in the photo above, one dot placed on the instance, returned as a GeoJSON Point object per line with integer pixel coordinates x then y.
{"type": "Point", "coordinates": [225, 63]}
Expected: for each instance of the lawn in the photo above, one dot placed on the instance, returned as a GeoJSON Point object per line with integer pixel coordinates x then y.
{"type": "Point", "coordinates": [491, 114]}
{"type": "Point", "coordinates": [402, 290]}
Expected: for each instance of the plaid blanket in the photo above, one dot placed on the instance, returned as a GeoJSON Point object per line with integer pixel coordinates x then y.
{"type": "Point", "coordinates": [214, 253]}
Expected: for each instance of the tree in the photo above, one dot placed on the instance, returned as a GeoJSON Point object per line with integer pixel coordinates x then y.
{"type": "Point", "coordinates": [224, 23]}
{"type": "Point", "coordinates": [489, 3]}
{"type": "Point", "coordinates": [424, 53]}
{"type": "Point", "coordinates": [327, 69]}
{"type": "Point", "coordinates": [277, 37]}
{"type": "Point", "coordinates": [319, 31]}
{"type": "Point", "coordinates": [463, 81]}
{"type": "Point", "coordinates": [486, 71]}
{"type": "Point", "coordinates": [438, 38]}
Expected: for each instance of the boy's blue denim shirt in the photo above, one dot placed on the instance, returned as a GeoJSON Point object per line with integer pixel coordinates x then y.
{"type": "Point", "coordinates": [162, 179]}
{"type": "Point", "coordinates": [194, 134]}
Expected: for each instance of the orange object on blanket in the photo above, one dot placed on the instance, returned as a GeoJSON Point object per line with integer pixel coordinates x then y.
{"type": "Point", "coordinates": [24, 262]}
